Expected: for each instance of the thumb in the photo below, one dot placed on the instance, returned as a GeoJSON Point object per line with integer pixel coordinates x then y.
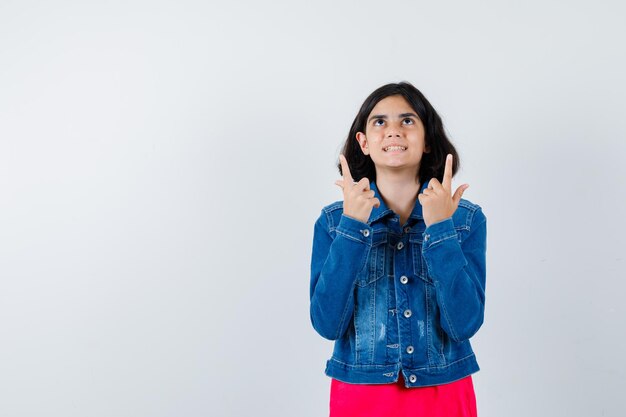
{"type": "Point", "coordinates": [459, 193]}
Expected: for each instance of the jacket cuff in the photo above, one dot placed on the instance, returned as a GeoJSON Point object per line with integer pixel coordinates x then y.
{"type": "Point", "coordinates": [437, 232]}
{"type": "Point", "coordinates": [355, 229]}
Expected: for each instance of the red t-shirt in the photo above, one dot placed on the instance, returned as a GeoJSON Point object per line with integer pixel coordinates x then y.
{"type": "Point", "coordinates": [455, 399]}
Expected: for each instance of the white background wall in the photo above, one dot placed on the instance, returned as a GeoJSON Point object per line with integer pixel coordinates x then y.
{"type": "Point", "coordinates": [162, 164]}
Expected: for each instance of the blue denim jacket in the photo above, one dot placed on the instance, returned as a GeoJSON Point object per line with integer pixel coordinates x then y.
{"type": "Point", "coordinates": [399, 298]}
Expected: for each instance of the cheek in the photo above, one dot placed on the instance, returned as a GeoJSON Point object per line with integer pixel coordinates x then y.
{"type": "Point", "coordinates": [418, 139]}
{"type": "Point", "coordinates": [371, 139]}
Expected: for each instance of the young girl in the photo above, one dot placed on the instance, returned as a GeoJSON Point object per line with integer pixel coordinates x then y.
{"type": "Point", "coordinates": [398, 267]}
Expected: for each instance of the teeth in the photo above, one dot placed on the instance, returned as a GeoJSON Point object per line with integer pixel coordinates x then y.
{"type": "Point", "coordinates": [395, 148]}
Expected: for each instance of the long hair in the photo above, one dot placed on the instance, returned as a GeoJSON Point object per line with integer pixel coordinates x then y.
{"type": "Point", "coordinates": [432, 164]}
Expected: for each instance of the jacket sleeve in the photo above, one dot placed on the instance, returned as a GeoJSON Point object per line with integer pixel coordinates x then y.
{"type": "Point", "coordinates": [458, 271]}
{"type": "Point", "coordinates": [335, 265]}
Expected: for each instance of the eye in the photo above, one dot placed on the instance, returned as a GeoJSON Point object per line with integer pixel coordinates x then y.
{"type": "Point", "coordinates": [410, 121]}
{"type": "Point", "coordinates": [378, 120]}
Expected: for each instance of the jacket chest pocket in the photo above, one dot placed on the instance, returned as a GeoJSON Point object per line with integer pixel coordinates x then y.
{"type": "Point", "coordinates": [419, 266]}
{"type": "Point", "coordinates": [376, 267]}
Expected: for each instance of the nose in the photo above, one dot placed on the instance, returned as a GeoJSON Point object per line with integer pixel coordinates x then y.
{"type": "Point", "coordinates": [393, 132]}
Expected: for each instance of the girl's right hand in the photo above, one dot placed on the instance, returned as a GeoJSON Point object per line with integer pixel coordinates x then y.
{"type": "Point", "coordinates": [358, 199]}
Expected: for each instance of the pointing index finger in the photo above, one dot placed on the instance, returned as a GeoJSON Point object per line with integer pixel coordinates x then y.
{"type": "Point", "coordinates": [447, 173]}
{"type": "Point", "coordinates": [345, 170]}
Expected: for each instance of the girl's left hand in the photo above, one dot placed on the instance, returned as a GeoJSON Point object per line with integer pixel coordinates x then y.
{"type": "Point", "coordinates": [436, 200]}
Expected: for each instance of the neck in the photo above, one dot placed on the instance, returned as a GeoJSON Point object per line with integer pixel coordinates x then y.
{"type": "Point", "coordinates": [399, 192]}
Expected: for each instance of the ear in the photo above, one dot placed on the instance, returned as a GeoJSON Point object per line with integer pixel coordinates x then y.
{"type": "Point", "coordinates": [362, 139]}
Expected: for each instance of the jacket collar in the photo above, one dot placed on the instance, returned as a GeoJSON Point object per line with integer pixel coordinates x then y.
{"type": "Point", "coordinates": [383, 211]}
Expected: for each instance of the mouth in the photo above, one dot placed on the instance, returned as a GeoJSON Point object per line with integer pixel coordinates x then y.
{"type": "Point", "coordinates": [394, 148]}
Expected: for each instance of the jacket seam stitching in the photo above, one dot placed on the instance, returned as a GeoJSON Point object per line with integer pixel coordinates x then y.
{"type": "Point", "coordinates": [343, 317]}
{"type": "Point", "coordinates": [396, 364]}
{"type": "Point", "coordinates": [445, 312]}
{"type": "Point", "coordinates": [436, 242]}
{"type": "Point", "coordinates": [339, 232]}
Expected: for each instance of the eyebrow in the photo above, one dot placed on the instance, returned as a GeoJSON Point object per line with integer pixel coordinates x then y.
{"type": "Point", "coordinates": [384, 116]}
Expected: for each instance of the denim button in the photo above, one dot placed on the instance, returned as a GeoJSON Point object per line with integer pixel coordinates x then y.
{"type": "Point", "coordinates": [404, 279]}
{"type": "Point", "coordinates": [412, 378]}
{"type": "Point", "coordinates": [426, 236]}
{"type": "Point", "coordinates": [407, 313]}
{"type": "Point", "coordinates": [400, 245]}
{"type": "Point", "coordinates": [409, 349]}
{"type": "Point", "coordinates": [366, 232]}
{"type": "Point", "coordinates": [407, 229]}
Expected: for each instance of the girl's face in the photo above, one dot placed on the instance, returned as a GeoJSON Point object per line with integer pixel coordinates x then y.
{"type": "Point", "coordinates": [394, 135]}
